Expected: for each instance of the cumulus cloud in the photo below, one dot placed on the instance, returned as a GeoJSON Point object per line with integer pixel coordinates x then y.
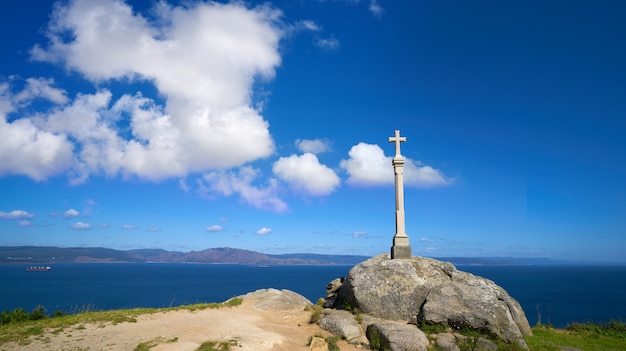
{"type": "Point", "coordinates": [264, 231]}
{"type": "Point", "coordinates": [80, 226]}
{"type": "Point", "coordinates": [241, 183]}
{"type": "Point", "coordinates": [16, 214]}
{"type": "Point", "coordinates": [203, 59]}
{"type": "Point", "coordinates": [27, 149]}
{"type": "Point", "coordinates": [214, 228]}
{"type": "Point", "coordinates": [315, 146]}
{"type": "Point", "coordinates": [306, 175]}
{"type": "Point", "coordinates": [129, 227]}
{"type": "Point", "coordinates": [367, 165]}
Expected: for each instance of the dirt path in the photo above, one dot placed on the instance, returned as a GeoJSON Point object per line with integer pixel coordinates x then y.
{"type": "Point", "coordinates": [252, 326]}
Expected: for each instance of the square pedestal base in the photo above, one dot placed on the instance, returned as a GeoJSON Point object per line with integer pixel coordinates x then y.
{"type": "Point", "coordinates": [400, 252]}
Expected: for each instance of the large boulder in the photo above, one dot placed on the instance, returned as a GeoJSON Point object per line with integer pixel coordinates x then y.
{"type": "Point", "coordinates": [276, 300]}
{"type": "Point", "coordinates": [423, 290]}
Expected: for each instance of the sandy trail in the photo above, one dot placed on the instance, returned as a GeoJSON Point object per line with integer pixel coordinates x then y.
{"type": "Point", "coordinates": [251, 327]}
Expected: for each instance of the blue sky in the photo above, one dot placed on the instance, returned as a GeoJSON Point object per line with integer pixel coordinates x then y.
{"type": "Point", "coordinates": [264, 126]}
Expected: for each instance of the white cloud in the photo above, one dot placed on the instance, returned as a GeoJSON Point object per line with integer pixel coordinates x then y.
{"type": "Point", "coordinates": [40, 88]}
{"type": "Point", "coordinates": [25, 223]}
{"type": "Point", "coordinates": [70, 213]}
{"type": "Point", "coordinates": [368, 166]}
{"type": "Point", "coordinates": [129, 227]}
{"type": "Point", "coordinates": [214, 228]}
{"type": "Point", "coordinates": [307, 25]}
{"type": "Point", "coordinates": [306, 175]}
{"type": "Point", "coordinates": [330, 43]}
{"type": "Point", "coordinates": [358, 234]}
{"type": "Point", "coordinates": [264, 231]}
{"type": "Point", "coordinates": [375, 8]}
{"type": "Point", "coordinates": [240, 183]}
{"type": "Point", "coordinates": [427, 240]}
{"type": "Point", "coordinates": [80, 226]}
{"type": "Point", "coordinates": [28, 150]}
{"type": "Point", "coordinates": [204, 60]}
{"type": "Point", "coordinates": [153, 229]}
{"type": "Point", "coordinates": [16, 214]}
{"type": "Point", "coordinates": [315, 146]}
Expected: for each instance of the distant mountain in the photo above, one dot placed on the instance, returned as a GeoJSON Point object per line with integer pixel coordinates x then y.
{"type": "Point", "coordinates": [501, 261]}
{"type": "Point", "coordinates": [224, 255]}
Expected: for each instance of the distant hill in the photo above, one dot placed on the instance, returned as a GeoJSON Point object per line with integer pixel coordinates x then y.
{"type": "Point", "coordinates": [223, 255]}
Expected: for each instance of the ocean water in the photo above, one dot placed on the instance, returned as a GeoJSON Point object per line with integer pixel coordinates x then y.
{"type": "Point", "coordinates": [563, 294]}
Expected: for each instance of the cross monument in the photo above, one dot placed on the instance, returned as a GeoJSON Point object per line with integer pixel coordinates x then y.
{"type": "Point", "coordinates": [400, 248]}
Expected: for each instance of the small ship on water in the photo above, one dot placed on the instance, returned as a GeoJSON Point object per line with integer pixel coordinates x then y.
{"type": "Point", "coordinates": [39, 268]}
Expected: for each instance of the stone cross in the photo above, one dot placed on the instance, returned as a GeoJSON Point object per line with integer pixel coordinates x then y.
{"type": "Point", "coordinates": [400, 248]}
{"type": "Point", "coordinates": [397, 139]}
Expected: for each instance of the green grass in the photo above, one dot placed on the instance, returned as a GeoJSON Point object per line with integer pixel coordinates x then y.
{"type": "Point", "coordinates": [25, 328]}
{"type": "Point", "coordinates": [584, 336]}
{"type": "Point", "coordinates": [217, 346]}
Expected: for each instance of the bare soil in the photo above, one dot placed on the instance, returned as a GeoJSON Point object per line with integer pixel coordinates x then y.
{"type": "Point", "coordinates": [249, 328]}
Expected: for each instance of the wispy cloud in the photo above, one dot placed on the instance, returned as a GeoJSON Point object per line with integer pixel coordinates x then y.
{"type": "Point", "coordinates": [376, 9]}
{"type": "Point", "coordinates": [241, 183]}
{"type": "Point", "coordinates": [214, 228]}
{"type": "Point", "coordinates": [314, 146]}
{"type": "Point", "coordinates": [359, 234]}
{"type": "Point", "coordinates": [153, 229]}
{"type": "Point", "coordinates": [25, 223]}
{"type": "Point", "coordinates": [328, 44]}
{"type": "Point", "coordinates": [16, 214]}
{"type": "Point", "coordinates": [80, 226]}
{"type": "Point", "coordinates": [129, 227]}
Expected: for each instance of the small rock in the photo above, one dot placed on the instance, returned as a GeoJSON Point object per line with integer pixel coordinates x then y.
{"type": "Point", "coordinates": [446, 342]}
{"type": "Point", "coordinates": [396, 336]}
{"type": "Point", "coordinates": [342, 323]}
{"type": "Point", "coordinates": [318, 344]}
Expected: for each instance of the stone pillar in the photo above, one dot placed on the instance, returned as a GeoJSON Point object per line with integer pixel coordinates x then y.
{"type": "Point", "coordinates": [401, 247]}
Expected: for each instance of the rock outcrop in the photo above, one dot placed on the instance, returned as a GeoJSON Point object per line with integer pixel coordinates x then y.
{"type": "Point", "coordinates": [427, 291]}
{"type": "Point", "coordinates": [276, 300]}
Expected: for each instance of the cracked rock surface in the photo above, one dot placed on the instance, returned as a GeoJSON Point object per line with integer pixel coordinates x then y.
{"type": "Point", "coordinates": [423, 290]}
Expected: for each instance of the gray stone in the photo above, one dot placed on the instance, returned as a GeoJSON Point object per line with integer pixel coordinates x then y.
{"type": "Point", "coordinates": [483, 344]}
{"type": "Point", "coordinates": [277, 300]}
{"type": "Point", "coordinates": [432, 291]}
{"type": "Point", "coordinates": [344, 324]}
{"type": "Point", "coordinates": [394, 336]}
{"type": "Point", "coordinates": [401, 252]}
{"type": "Point", "coordinates": [331, 292]}
{"type": "Point", "coordinates": [318, 344]}
{"type": "Point", "coordinates": [446, 342]}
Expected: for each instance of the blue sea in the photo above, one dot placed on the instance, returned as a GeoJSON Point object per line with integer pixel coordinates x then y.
{"type": "Point", "coordinates": [561, 294]}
